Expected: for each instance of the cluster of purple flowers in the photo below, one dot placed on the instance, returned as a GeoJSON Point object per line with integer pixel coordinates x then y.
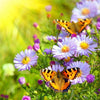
{"type": "Point", "coordinates": [4, 96]}
{"type": "Point", "coordinates": [86, 9]}
{"type": "Point", "coordinates": [79, 45]}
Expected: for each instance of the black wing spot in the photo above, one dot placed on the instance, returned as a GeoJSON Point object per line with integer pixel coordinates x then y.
{"type": "Point", "coordinates": [67, 75]}
{"type": "Point", "coordinates": [44, 70]}
{"type": "Point", "coordinates": [48, 71]}
{"type": "Point", "coordinates": [84, 19]}
{"type": "Point", "coordinates": [51, 72]}
{"type": "Point", "coordinates": [74, 69]}
{"type": "Point", "coordinates": [66, 24]}
{"type": "Point", "coordinates": [63, 21]}
{"type": "Point", "coordinates": [53, 81]}
{"type": "Point", "coordinates": [78, 69]}
{"type": "Point", "coordinates": [68, 27]}
{"type": "Point", "coordinates": [69, 70]}
{"type": "Point", "coordinates": [66, 80]}
{"type": "Point", "coordinates": [50, 76]}
{"type": "Point", "coordinates": [83, 23]}
{"type": "Point", "coordinates": [65, 71]}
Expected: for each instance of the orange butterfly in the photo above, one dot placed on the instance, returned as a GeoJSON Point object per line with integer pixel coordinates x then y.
{"type": "Point", "coordinates": [60, 81]}
{"type": "Point", "coordinates": [74, 28]}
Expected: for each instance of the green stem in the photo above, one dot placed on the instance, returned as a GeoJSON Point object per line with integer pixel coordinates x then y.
{"type": "Point", "coordinates": [71, 95]}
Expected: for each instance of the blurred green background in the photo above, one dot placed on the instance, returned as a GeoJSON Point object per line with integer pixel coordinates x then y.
{"type": "Point", "coordinates": [16, 31]}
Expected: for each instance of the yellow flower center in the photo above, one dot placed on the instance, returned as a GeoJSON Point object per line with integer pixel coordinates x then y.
{"type": "Point", "coordinates": [79, 74]}
{"type": "Point", "coordinates": [85, 11]}
{"type": "Point", "coordinates": [67, 59]}
{"type": "Point", "coordinates": [26, 60]}
{"type": "Point", "coordinates": [65, 48]}
{"type": "Point", "coordinates": [84, 45]}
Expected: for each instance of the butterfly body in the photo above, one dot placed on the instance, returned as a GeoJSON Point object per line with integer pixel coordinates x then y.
{"type": "Point", "coordinates": [59, 81]}
{"type": "Point", "coordinates": [74, 28]}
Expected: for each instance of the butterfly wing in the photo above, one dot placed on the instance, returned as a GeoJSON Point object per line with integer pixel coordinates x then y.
{"type": "Point", "coordinates": [57, 81]}
{"type": "Point", "coordinates": [81, 24]}
{"type": "Point", "coordinates": [74, 28]}
{"type": "Point", "coordinates": [71, 73]}
{"type": "Point", "coordinates": [47, 74]}
{"type": "Point", "coordinates": [70, 27]}
{"type": "Point", "coordinates": [60, 83]}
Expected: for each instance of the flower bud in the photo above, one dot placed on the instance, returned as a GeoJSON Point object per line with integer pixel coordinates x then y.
{"type": "Point", "coordinates": [36, 46]}
{"type": "Point", "coordinates": [48, 8]}
{"type": "Point", "coordinates": [98, 25]}
{"type": "Point", "coordinates": [40, 82]}
{"type": "Point", "coordinates": [26, 98]}
{"type": "Point", "coordinates": [30, 47]}
{"type": "Point", "coordinates": [90, 78]}
{"type": "Point", "coordinates": [21, 80]}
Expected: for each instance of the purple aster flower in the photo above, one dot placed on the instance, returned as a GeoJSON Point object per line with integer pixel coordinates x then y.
{"type": "Point", "coordinates": [99, 89]}
{"type": "Point", "coordinates": [56, 67]}
{"type": "Point", "coordinates": [98, 6]}
{"type": "Point", "coordinates": [60, 40]}
{"type": "Point", "coordinates": [35, 36]}
{"type": "Point", "coordinates": [85, 45]}
{"type": "Point", "coordinates": [21, 80]}
{"type": "Point", "coordinates": [2, 95]}
{"type": "Point", "coordinates": [48, 8]}
{"type": "Point", "coordinates": [98, 25]}
{"type": "Point", "coordinates": [26, 98]}
{"type": "Point", "coordinates": [25, 60]}
{"type": "Point", "coordinates": [40, 82]}
{"type": "Point", "coordinates": [52, 63]}
{"type": "Point", "coordinates": [36, 46]}
{"type": "Point", "coordinates": [30, 47]}
{"type": "Point", "coordinates": [97, 93]}
{"type": "Point", "coordinates": [86, 9]}
{"type": "Point", "coordinates": [58, 27]}
{"type": "Point", "coordinates": [48, 51]}
{"type": "Point", "coordinates": [68, 61]}
{"type": "Point", "coordinates": [47, 83]}
{"type": "Point", "coordinates": [6, 96]}
{"type": "Point", "coordinates": [83, 33]}
{"type": "Point", "coordinates": [98, 19]}
{"type": "Point", "coordinates": [90, 78]}
{"type": "Point", "coordinates": [63, 34]}
{"type": "Point", "coordinates": [73, 35]}
{"type": "Point", "coordinates": [65, 49]}
{"type": "Point", "coordinates": [51, 38]}
{"type": "Point", "coordinates": [36, 41]}
{"type": "Point", "coordinates": [84, 71]}
{"type": "Point", "coordinates": [75, 17]}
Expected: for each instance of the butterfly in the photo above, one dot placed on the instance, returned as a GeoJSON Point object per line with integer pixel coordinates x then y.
{"type": "Point", "coordinates": [74, 28]}
{"type": "Point", "coordinates": [60, 81]}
